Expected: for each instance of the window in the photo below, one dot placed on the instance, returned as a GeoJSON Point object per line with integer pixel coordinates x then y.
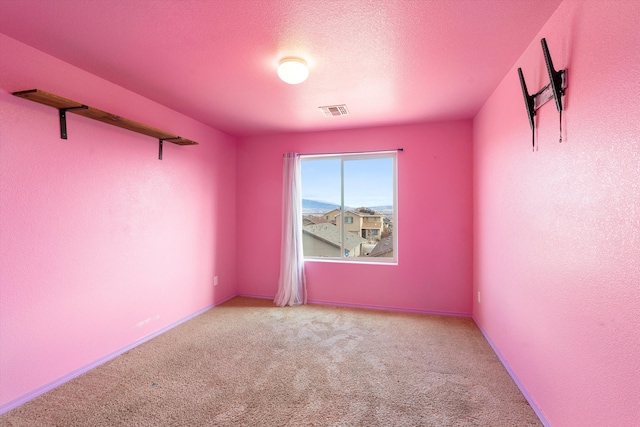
{"type": "Point", "coordinates": [358, 192]}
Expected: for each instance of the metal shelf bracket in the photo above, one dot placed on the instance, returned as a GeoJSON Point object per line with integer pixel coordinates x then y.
{"type": "Point", "coordinates": [63, 119]}
{"type": "Point", "coordinates": [161, 140]}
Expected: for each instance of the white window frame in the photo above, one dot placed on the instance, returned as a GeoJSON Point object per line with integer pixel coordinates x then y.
{"type": "Point", "coordinates": [394, 220]}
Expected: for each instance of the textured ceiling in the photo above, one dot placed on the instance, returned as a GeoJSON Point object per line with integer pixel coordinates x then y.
{"type": "Point", "coordinates": [390, 61]}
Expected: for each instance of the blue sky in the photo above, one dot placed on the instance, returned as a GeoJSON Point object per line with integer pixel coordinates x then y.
{"type": "Point", "coordinates": [367, 182]}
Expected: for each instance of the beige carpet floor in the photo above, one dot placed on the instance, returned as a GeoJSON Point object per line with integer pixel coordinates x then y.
{"type": "Point", "coordinates": [249, 363]}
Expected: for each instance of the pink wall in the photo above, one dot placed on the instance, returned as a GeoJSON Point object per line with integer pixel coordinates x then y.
{"type": "Point", "coordinates": [434, 224]}
{"type": "Point", "coordinates": [101, 243]}
{"type": "Point", "coordinates": [557, 232]}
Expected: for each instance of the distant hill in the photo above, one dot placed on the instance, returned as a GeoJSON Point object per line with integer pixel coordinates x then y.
{"type": "Point", "coordinates": [315, 206]}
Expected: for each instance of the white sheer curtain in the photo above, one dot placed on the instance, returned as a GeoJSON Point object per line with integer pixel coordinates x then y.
{"type": "Point", "coordinates": [292, 283]}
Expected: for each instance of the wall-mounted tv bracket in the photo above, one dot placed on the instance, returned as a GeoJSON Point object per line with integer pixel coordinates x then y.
{"type": "Point", "coordinates": [63, 105]}
{"type": "Point", "coordinates": [555, 89]}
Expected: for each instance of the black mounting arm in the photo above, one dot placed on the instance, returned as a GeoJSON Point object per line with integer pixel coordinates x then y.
{"type": "Point", "coordinates": [528, 102]}
{"type": "Point", "coordinates": [555, 77]}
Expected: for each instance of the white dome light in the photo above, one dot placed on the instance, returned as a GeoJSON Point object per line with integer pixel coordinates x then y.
{"type": "Point", "coordinates": [293, 71]}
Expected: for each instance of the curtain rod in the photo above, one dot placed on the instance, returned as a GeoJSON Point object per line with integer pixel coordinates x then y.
{"type": "Point", "coordinates": [348, 152]}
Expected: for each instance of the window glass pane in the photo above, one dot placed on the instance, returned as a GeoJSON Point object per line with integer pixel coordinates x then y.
{"type": "Point", "coordinates": [363, 227]}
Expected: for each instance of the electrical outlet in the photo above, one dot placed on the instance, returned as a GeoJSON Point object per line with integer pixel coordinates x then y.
{"type": "Point", "coordinates": [478, 297]}
{"type": "Point", "coordinates": [215, 280]}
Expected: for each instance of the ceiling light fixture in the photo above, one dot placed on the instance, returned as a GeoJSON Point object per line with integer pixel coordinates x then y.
{"type": "Point", "coordinates": [293, 71]}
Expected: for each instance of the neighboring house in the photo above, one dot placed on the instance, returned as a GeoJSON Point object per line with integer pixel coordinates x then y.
{"type": "Point", "coordinates": [331, 215]}
{"type": "Point", "coordinates": [352, 222]}
{"type": "Point", "coordinates": [384, 248]}
{"type": "Point", "coordinates": [363, 222]}
{"type": "Point", "coordinates": [323, 240]}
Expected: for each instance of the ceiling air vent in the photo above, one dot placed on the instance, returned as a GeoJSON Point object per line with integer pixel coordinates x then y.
{"type": "Point", "coordinates": [334, 110]}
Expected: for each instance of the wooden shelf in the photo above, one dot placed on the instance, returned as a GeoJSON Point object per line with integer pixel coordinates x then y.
{"type": "Point", "coordinates": [66, 105]}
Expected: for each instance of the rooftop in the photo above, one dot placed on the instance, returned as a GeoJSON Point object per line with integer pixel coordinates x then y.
{"type": "Point", "coordinates": [331, 234]}
{"type": "Point", "coordinates": [384, 246]}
